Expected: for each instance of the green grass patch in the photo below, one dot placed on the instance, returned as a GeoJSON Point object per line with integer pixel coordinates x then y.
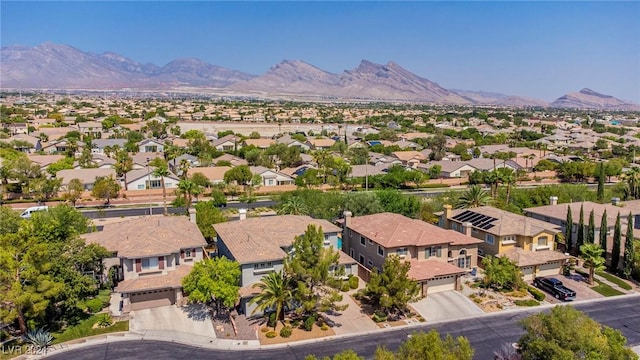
{"type": "Point", "coordinates": [85, 328]}
{"type": "Point", "coordinates": [528, 302]}
{"type": "Point", "coordinates": [614, 279]}
{"type": "Point", "coordinates": [605, 290]}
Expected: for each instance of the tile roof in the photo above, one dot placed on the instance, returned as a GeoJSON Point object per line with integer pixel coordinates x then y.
{"type": "Point", "coordinates": [508, 223]}
{"type": "Point", "coordinates": [213, 173]}
{"type": "Point", "coordinates": [262, 239]}
{"type": "Point", "coordinates": [86, 176]}
{"type": "Point", "coordinates": [172, 279]}
{"type": "Point", "coordinates": [429, 269]}
{"type": "Point", "coordinates": [530, 258]}
{"type": "Point", "coordinates": [394, 230]}
{"type": "Point", "coordinates": [260, 143]}
{"type": "Point", "coordinates": [560, 211]}
{"type": "Point", "coordinates": [148, 236]}
{"type": "Point", "coordinates": [408, 155]}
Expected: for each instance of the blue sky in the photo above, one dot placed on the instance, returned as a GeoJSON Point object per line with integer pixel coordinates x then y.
{"type": "Point", "coordinates": [535, 49]}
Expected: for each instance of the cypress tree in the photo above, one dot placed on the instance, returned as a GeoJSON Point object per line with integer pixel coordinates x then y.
{"type": "Point", "coordinates": [567, 231]}
{"type": "Point", "coordinates": [601, 176]}
{"type": "Point", "coordinates": [603, 231]}
{"type": "Point", "coordinates": [580, 239]}
{"type": "Point", "coordinates": [617, 242]}
{"type": "Point", "coordinates": [629, 250]}
{"type": "Point", "coordinates": [591, 229]}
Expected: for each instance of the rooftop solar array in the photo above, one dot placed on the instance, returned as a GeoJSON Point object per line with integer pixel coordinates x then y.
{"type": "Point", "coordinates": [479, 221]}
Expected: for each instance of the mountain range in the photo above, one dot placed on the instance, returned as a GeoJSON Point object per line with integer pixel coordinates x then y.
{"type": "Point", "coordinates": [56, 66]}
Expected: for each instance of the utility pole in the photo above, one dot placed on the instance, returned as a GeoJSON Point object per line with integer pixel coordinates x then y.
{"type": "Point", "coordinates": [149, 186]}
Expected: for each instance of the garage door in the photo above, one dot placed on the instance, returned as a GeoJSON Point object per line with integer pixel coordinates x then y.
{"type": "Point", "coordinates": [527, 273]}
{"type": "Point", "coordinates": [441, 284]}
{"type": "Point", "coordinates": [550, 269]}
{"type": "Point", "coordinates": [151, 299]}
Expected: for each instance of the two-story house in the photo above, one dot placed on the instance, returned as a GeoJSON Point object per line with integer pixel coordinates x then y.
{"type": "Point", "coordinates": [438, 257]}
{"type": "Point", "coordinates": [260, 245]}
{"type": "Point", "coordinates": [151, 255]}
{"type": "Point", "coordinates": [530, 243]}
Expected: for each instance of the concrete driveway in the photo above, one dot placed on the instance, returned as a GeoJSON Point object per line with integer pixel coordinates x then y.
{"type": "Point", "coordinates": [191, 322]}
{"type": "Point", "coordinates": [447, 305]}
{"type": "Point", "coordinates": [352, 319]}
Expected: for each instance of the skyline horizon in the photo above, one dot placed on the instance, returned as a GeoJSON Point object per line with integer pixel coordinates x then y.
{"type": "Point", "coordinates": [492, 52]}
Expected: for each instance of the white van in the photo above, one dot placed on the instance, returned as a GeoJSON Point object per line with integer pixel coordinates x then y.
{"type": "Point", "coordinates": [27, 213]}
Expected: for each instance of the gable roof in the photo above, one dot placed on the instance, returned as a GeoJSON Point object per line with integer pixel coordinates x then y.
{"type": "Point", "coordinates": [393, 230]}
{"type": "Point", "coordinates": [86, 176]}
{"type": "Point", "coordinates": [262, 239]}
{"type": "Point", "coordinates": [213, 173]}
{"type": "Point", "coordinates": [530, 258]}
{"type": "Point", "coordinates": [261, 143]}
{"type": "Point", "coordinates": [148, 236]}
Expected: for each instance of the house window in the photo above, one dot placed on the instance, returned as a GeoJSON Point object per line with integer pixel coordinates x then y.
{"type": "Point", "coordinates": [542, 241]}
{"type": "Point", "coordinates": [380, 251]}
{"type": "Point", "coordinates": [490, 239]}
{"type": "Point", "coordinates": [509, 239]}
{"type": "Point", "coordinates": [363, 241]}
{"type": "Point", "coordinates": [361, 259]}
{"type": "Point", "coordinates": [433, 251]}
{"type": "Point", "coordinates": [140, 187]}
{"type": "Point", "coordinates": [454, 226]}
{"type": "Point", "coordinates": [327, 242]}
{"type": "Point", "coordinates": [150, 263]}
{"type": "Point", "coordinates": [369, 263]}
{"type": "Point", "coordinates": [153, 184]}
{"type": "Point", "coordinates": [402, 251]}
{"type": "Point", "coordinates": [352, 253]}
{"type": "Point", "coordinates": [151, 148]}
{"type": "Point", "coordinates": [263, 267]}
{"type": "Point", "coordinates": [188, 253]}
{"type": "Point", "coordinates": [270, 182]}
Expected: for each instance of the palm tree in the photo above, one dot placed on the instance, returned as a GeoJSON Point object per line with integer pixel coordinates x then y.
{"type": "Point", "coordinates": [162, 172]}
{"type": "Point", "coordinates": [321, 157]}
{"type": "Point", "coordinates": [184, 168]}
{"type": "Point", "coordinates": [294, 206]}
{"type": "Point", "coordinates": [123, 165]}
{"type": "Point", "coordinates": [632, 181]}
{"type": "Point", "coordinates": [593, 260]}
{"type": "Point", "coordinates": [189, 189]}
{"type": "Point", "coordinates": [506, 176]}
{"type": "Point", "coordinates": [275, 294]}
{"type": "Point", "coordinates": [473, 197]}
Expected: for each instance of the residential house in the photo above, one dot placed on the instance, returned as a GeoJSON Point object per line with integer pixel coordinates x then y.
{"type": "Point", "coordinates": [271, 177]}
{"type": "Point", "coordinates": [259, 143]}
{"type": "Point", "coordinates": [90, 128]}
{"type": "Point", "coordinates": [406, 145]}
{"type": "Point", "coordinates": [150, 146]}
{"type": "Point", "coordinates": [23, 143]}
{"type": "Point", "coordinates": [215, 174]}
{"type": "Point", "coordinates": [98, 145]}
{"type": "Point", "coordinates": [529, 242]}
{"type": "Point", "coordinates": [141, 179]}
{"type": "Point", "coordinates": [360, 171]}
{"type": "Point", "coordinates": [44, 160]}
{"type": "Point", "coordinates": [261, 244]}
{"type": "Point", "coordinates": [294, 172]}
{"type": "Point", "coordinates": [409, 158]}
{"type": "Point", "coordinates": [232, 159]}
{"type": "Point", "coordinates": [16, 128]}
{"type": "Point", "coordinates": [227, 143]}
{"type": "Point", "coordinates": [151, 255]}
{"type": "Point", "coordinates": [174, 164]}
{"type": "Point", "coordinates": [141, 160]}
{"type": "Point", "coordinates": [438, 257]}
{"type": "Point", "coordinates": [450, 169]}
{"type": "Point", "coordinates": [320, 143]}
{"type": "Point", "coordinates": [86, 176]}
{"type": "Point", "coordinates": [287, 140]}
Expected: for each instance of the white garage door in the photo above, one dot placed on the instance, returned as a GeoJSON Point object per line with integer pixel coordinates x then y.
{"type": "Point", "coordinates": [527, 273]}
{"type": "Point", "coordinates": [550, 269]}
{"type": "Point", "coordinates": [445, 283]}
{"type": "Point", "coordinates": [151, 299]}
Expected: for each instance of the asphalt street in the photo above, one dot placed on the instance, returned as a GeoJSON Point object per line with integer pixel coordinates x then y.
{"type": "Point", "coordinates": [486, 334]}
{"type": "Point", "coordinates": [157, 210]}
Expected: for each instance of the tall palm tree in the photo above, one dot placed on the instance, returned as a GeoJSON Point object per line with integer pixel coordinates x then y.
{"type": "Point", "coordinates": [321, 158]}
{"type": "Point", "coordinates": [507, 176]}
{"type": "Point", "coordinates": [184, 169]}
{"type": "Point", "coordinates": [275, 294]}
{"type": "Point", "coordinates": [632, 181]}
{"type": "Point", "coordinates": [162, 172]}
{"type": "Point", "coordinates": [123, 165]}
{"type": "Point", "coordinates": [293, 206]}
{"type": "Point", "coordinates": [473, 197]}
{"type": "Point", "coordinates": [593, 260]}
{"type": "Point", "coordinates": [189, 189]}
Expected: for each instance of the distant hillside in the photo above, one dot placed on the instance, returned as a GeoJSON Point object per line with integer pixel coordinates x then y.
{"type": "Point", "coordinates": [492, 98]}
{"type": "Point", "coordinates": [589, 99]}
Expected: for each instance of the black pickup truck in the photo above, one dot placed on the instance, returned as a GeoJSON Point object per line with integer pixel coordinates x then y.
{"type": "Point", "coordinates": [554, 287]}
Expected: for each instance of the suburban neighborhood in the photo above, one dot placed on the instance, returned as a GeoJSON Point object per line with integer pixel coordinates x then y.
{"type": "Point", "coordinates": [277, 222]}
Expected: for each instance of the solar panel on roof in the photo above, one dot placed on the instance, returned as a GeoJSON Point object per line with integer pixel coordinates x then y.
{"type": "Point", "coordinates": [457, 217]}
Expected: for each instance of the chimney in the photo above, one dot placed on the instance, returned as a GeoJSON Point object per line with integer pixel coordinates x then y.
{"type": "Point", "coordinates": [553, 200]}
{"type": "Point", "coordinates": [192, 215]}
{"type": "Point", "coordinates": [243, 214]}
{"type": "Point", "coordinates": [467, 228]}
{"type": "Point", "coordinates": [615, 201]}
{"type": "Point", "coordinates": [448, 209]}
{"type": "Point", "coordinates": [347, 219]}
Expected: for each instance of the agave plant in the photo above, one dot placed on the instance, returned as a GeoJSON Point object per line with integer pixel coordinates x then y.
{"type": "Point", "coordinates": [40, 339]}
{"type": "Point", "coordinates": [104, 320]}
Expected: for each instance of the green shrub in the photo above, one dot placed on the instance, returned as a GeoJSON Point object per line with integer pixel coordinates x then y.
{"type": "Point", "coordinates": [308, 323]}
{"type": "Point", "coordinates": [379, 316]}
{"type": "Point", "coordinates": [271, 334]}
{"type": "Point", "coordinates": [537, 294]}
{"type": "Point", "coordinates": [324, 327]}
{"type": "Point", "coordinates": [296, 323]}
{"type": "Point", "coordinates": [477, 300]}
{"type": "Point", "coordinates": [265, 329]}
{"type": "Point", "coordinates": [271, 322]}
{"type": "Point", "coordinates": [345, 287]}
{"type": "Point", "coordinates": [94, 305]}
{"type": "Point", "coordinates": [528, 302]}
{"type": "Point", "coordinates": [286, 331]}
{"type": "Point", "coordinates": [104, 320]}
{"type": "Point", "coordinates": [354, 282]}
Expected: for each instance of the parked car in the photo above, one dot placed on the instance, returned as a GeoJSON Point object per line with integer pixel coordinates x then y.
{"type": "Point", "coordinates": [555, 287]}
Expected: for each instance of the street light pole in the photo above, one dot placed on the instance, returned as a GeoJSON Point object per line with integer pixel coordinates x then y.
{"type": "Point", "coordinates": [149, 186]}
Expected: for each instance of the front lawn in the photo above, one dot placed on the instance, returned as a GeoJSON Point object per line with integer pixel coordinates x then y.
{"type": "Point", "coordinates": [606, 290]}
{"type": "Point", "coordinates": [85, 328]}
{"type": "Point", "coordinates": [614, 279]}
